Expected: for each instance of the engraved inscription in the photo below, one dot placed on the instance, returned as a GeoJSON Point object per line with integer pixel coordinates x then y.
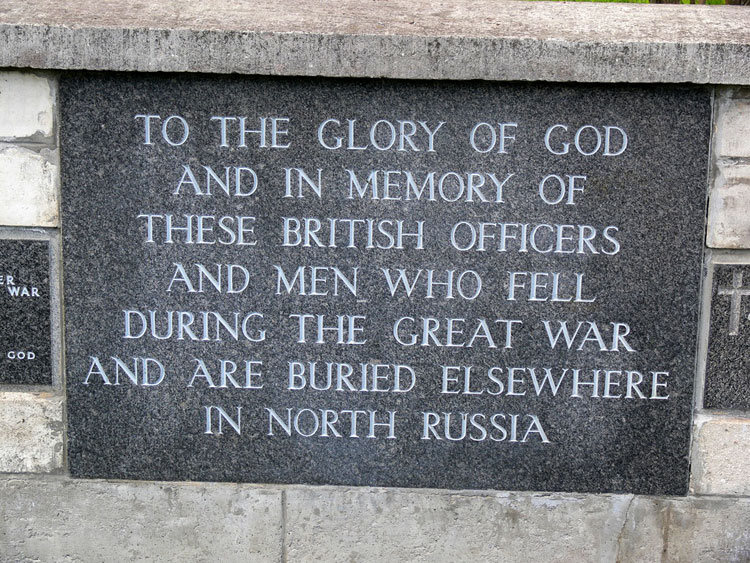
{"type": "Point", "coordinates": [736, 292]}
{"type": "Point", "coordinates": [727, 361]}
{"type": "Point", "coordinates": [381, 283]}
{"type": "Point", "coordinates": [24, 313]}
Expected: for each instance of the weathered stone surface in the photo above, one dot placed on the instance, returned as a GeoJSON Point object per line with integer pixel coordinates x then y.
{"type": "Point", "coordinates": [57, 519]}
{"type": "Point", "coordinates": [84, 521]}
{"type": "Point", "coordinates": [635, 253]}
{"type": "Point", "coordinates": [482, 18]}
{"type": "Point", "coordinates": [707, 530]}
{"type": "Point", "coordinates": [729, 207]}
{"type": "Point", "coordinates": [374, 525]}
{"type": "Point", "coordinates": [736, 92]}
{"type": "Point", "coordinates": [721, 465]}
{"type": "Point", "coordinates": [28, 187]}
{"type": "Point", "coordinates": [727, 380]}
{"type": "Point", "coordinates": [31, 433]}
{"type": "Point", "coordinates": [338, 525]}
{"type": "Point", "coordinates": [25, 339]}
{"type": "Point", "coordinates": [26, 105]}
{"type": "Point", "coordinates": [733, 128]}
{"type": "Point", "coordinates": [468, 40]}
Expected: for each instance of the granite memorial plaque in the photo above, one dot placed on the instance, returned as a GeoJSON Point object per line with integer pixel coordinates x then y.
{"type": "Point", "coordinates": [727, 383]}
{"type": "Point", "coordinates": [391, 283]}
{"type": "Point", "coordinates": [25, 313]}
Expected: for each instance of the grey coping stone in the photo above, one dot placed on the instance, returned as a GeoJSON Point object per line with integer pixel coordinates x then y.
{"type": "Point", "coordinates": [25, 346]}
{"type": "Point", "coordinates": [469, 40]}
{"type": "Point", "coordinates": [727, 384]}
{"type": "Point", "coordinates": [627, 249]}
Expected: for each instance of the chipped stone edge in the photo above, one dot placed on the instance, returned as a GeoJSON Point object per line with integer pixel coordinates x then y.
{"type": "Point", "coordinates": [38, 138]}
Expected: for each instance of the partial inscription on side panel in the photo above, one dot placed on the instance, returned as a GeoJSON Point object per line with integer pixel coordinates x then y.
{"type": "Point", "coordinates": [382, 283]}
{"type": "Point", "coordinates": [25, 313]}
{"type": "Point", "coordinates": [728, 362]}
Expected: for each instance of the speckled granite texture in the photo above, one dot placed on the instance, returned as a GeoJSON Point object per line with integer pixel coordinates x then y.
{"type": "Point", "coordinates": [728, 365]}
{"type": "Point", "coordinates": [24, 313]}
{"type": "Point", "coordinates": [620, 254]}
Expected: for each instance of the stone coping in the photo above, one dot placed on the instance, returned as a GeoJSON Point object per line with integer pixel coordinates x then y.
{"type": "Point", "coordinates": [460, 40]}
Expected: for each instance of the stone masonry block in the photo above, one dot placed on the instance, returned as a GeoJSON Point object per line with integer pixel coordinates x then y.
{"type": "Point", "coordinates": [721, 465]}
{"type": "Point", "coordinates": [729, 208]}
{"type": "Point", "coordinates": [26, 105]}
{"type": "Point", "coordinates": [707, 530]}
{"type": "Point", "coordinates": [733, 128]}
{"type": "Point", "coordinates": [57, 519]}
{"type": "Point", "coordinates": [343, 525]}
{"type": "Point", "coordinates": [31, 433]}
{"type": "Point", "coordinates": [28, 187]}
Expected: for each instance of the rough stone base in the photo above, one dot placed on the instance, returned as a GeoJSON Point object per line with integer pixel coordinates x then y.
{"type": "Point", "coordinates": [51, 520]}
{"type": "Point", "coordinates": [60, 519]}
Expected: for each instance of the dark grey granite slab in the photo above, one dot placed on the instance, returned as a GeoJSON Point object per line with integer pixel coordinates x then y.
{"type": "Point", "coordinates": [727, 383]}
{"type": "Point", "coordinates": [25, 312]}
{"type": "Point", "coordinates": [620, 256]}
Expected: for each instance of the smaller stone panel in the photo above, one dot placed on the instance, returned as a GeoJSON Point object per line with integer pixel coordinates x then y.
{"type": "Point", "coordinates": [25, 344]}
{"type": "Point", "coordinates": [729, 207]}
{"type": "Point", "coordinates": [31, 433]}
{"type": "Point", "coordinates": [60, 520]}
{"type": "Point", "coordinates": [728, 363]}
{"type": "Point", "coordinates": [28, 187]}
{"type": "Point", "coordinates": [339, 525]}
{"type": "Point", "coordinates": [721, 465]}
{"type": "Point", "coordinates": [26, 105]}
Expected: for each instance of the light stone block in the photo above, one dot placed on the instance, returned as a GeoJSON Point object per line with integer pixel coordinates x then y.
{"type": "Point", "coordinates": [707, 531]}
{"type": "Point", "coordinates": [729, 208]}
{"type": "Point", "coordinates": [26, 105]}
{"type": "Point", "coordinates": [94, 521]}
{"type": "Point", "coordinates": [31, 433]}
{"type": "Point", "coordinates": [721, 464]}
{"type": "Point", "coordinates": [733, 128]}
{"type": "Point", "coordinates": [340, 525]}
{"type": "Point", "coordinates": [28, 187]}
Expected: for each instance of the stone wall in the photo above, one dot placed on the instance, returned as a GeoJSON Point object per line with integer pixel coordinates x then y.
{"type": "Point", "coordinates": [47, 516]}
